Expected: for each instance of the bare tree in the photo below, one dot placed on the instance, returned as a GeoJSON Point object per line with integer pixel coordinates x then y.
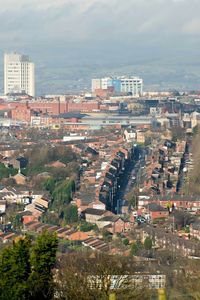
{"type": "Point", "coordinates": [94, 277]}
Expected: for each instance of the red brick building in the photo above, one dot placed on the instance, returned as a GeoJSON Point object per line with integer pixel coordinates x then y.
{"type": "Point", "coordinates": [179, 201]}
{"type": "Point", "coordinates": [156, 211]}
{"type": "Point", "coordinates": [21, 113]}
{"type": "Point", "coordinates": [53, 107]}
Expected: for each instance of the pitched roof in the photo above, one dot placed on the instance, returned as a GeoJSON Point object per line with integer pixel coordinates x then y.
{"type": "Point", "coordinates": [196, 226]}
{"type": "Point", "coordinates": [94, 211]}
{"type": "Point", "coordinates": [110, 218]}
{"type": "Point", "coordinates": [155, 207]}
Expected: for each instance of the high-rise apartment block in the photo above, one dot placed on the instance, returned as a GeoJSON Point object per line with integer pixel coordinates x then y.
{"type": "Point", "coordinates": [121, 85]}
{"type": "Point", "coordinates": [19, 74]}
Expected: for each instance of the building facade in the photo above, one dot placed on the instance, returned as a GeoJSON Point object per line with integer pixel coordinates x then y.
{"type": "Point", "coordinates": [19, 74]}
{"type": "Point", "coordinates": [121, 85]}
{"type": "Point", "coordinates": [132, 85]}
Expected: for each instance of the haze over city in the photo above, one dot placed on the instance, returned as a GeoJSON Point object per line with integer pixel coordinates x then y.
{"type": "Point", "coordinates": [73, 41]}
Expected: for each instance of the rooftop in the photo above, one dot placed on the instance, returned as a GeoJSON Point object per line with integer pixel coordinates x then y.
{"type": "Point", "coordinates": [94, 211]}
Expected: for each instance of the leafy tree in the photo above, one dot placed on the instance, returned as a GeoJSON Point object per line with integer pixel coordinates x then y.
{"type": "Point", "coordinates": [17, 221]}
{"type": "Point", "coordinates": [70, 214]}
{"type": "Point", "coordinates": [43, 258]}
{"type": "Point", "coordinates": [62, 194]}
{"type": "Point", "coordinates": [6, 172]}
{"type": "Point", "coordinates": [87, 227]}
{"type": "Point", "coordinates": [40, 156]}
{"type": "Point", "coordinates": [107, 236]}
{"type": "Point", "coordinates": [126, 242]}
{"type": "Point", "coordinates": [25, 270]}
{"type": "Point", "coordinates": [147, 243]}
{"type": "Point", "coordinates": [49, 184]}
{"type": "Point", "coordinates": [50, 217]}
{"type": "Point", "coordinates": [15, 269]}
{"type": "Point", "coordinates": [136, 247]}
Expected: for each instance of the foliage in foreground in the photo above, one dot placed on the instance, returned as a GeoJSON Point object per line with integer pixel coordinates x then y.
{"type": "Point", "coordinates": [88, 277]}
{"type": "Point", "coordinates": [25, 269]}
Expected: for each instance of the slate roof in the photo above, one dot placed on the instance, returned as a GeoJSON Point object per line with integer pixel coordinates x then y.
{"type": "Point", "coordinates": [155, 207]}
{"type": "Point", "coordinates": [109, 219]}
{"type": "Point", "coordinates": [94, 211]}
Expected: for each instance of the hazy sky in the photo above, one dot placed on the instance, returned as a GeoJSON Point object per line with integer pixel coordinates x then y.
{"type": "Point", "coordinates": [64, 23]}
{"type": "Point", "coordinates": [101, 31]}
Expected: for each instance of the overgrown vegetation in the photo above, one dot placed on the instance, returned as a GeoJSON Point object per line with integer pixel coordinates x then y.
{"type": "Point", "coordinates": [7, 172]}
{"type": "Point", "coordinates": [58, 180]}
{"type": "Point", "coordinates": [138, 248]}
{"type": "Point", "coordinates": [29, 271]}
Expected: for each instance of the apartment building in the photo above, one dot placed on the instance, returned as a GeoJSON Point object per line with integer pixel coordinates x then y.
{"type": "Point", "coordinates": [121, 85]}
{"type": "Point", "coordinates": [19, 74]}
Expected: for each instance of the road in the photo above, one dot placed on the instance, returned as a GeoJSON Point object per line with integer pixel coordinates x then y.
{"type": "Point", "coordinates": [127, 183]}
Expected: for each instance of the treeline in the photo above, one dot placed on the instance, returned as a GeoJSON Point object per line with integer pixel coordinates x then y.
{"type": "Point", "coordinates": [58, 181]}
{"type": "Point", "coordinates": [40, 158]}
{"type": "Point", "coordinates": [30, 270]}
{"type": "Point", "coordinates": [26, 269]}
{"type": "Point", "coordinates": [61, 212]}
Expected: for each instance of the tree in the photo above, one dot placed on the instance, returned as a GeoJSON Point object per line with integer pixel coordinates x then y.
{"type": "Point", "coordinates": [62, 194]}
{"type": "Point", "coordinates": [39, 156]}
{"type": "Point", "coordinates": [132, 199]}
{"type": "Point", "coordinates": [17, 221]}
{"type": "Point", "coordinates": [50, 217]}
{"type": "Point", "coordinates": [87, 226]}
{"type": "Point", "coordinates": [83, 277]}
{"type": "Point", "coordinates": [136, 247]}
{"type": "Point", "coordinates": [185, 282]}
{"type": "Point", "coordinates": [15, 269]}
{"type": "Point", "coordinates": [182, 218]}
{"type": "Point", "coordinates": [49, 184]}
{"type": "Point", "coordinates": [6, 172]}
{"type": "Point", "coordinates": [107, 236]}
{"type": "Point", "coordinates": [43, 258]}
{"type": "Point", "coordinates": [147, 243]}
{"type": "Point", "coordinates": [126, 242]}
{"type": "Point", "coordinates": [26, 269]}
{"type": "Point", "coordinates": [70, 214]}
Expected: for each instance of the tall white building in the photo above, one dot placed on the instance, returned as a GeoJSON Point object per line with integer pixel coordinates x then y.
{"type": "Point", "coordinates": [96, 84]}
{"type": "Point", "coordinates": [133, 85]}
{"type": "Point", "coordinates": [19, 74]}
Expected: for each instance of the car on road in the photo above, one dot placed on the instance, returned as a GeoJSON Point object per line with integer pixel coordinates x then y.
{"type": "Point", "coordinates": [141, 220]}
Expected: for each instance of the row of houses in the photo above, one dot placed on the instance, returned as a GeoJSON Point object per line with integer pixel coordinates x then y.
{"type": "Point", "coordinates": [164, 239]}
{"type": "Point", "coordinates": [195, 230]}
{"type": "Point", "coordinates": [61, 232]}
{"type": "Point", "coordinates": [70, 234]}
{"type": "Point", "coordinates": [100, 179]}
{"type": "Point", "coordinates": [110, 182]}
{"type": "Point", "coordinates": [188, 202]}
